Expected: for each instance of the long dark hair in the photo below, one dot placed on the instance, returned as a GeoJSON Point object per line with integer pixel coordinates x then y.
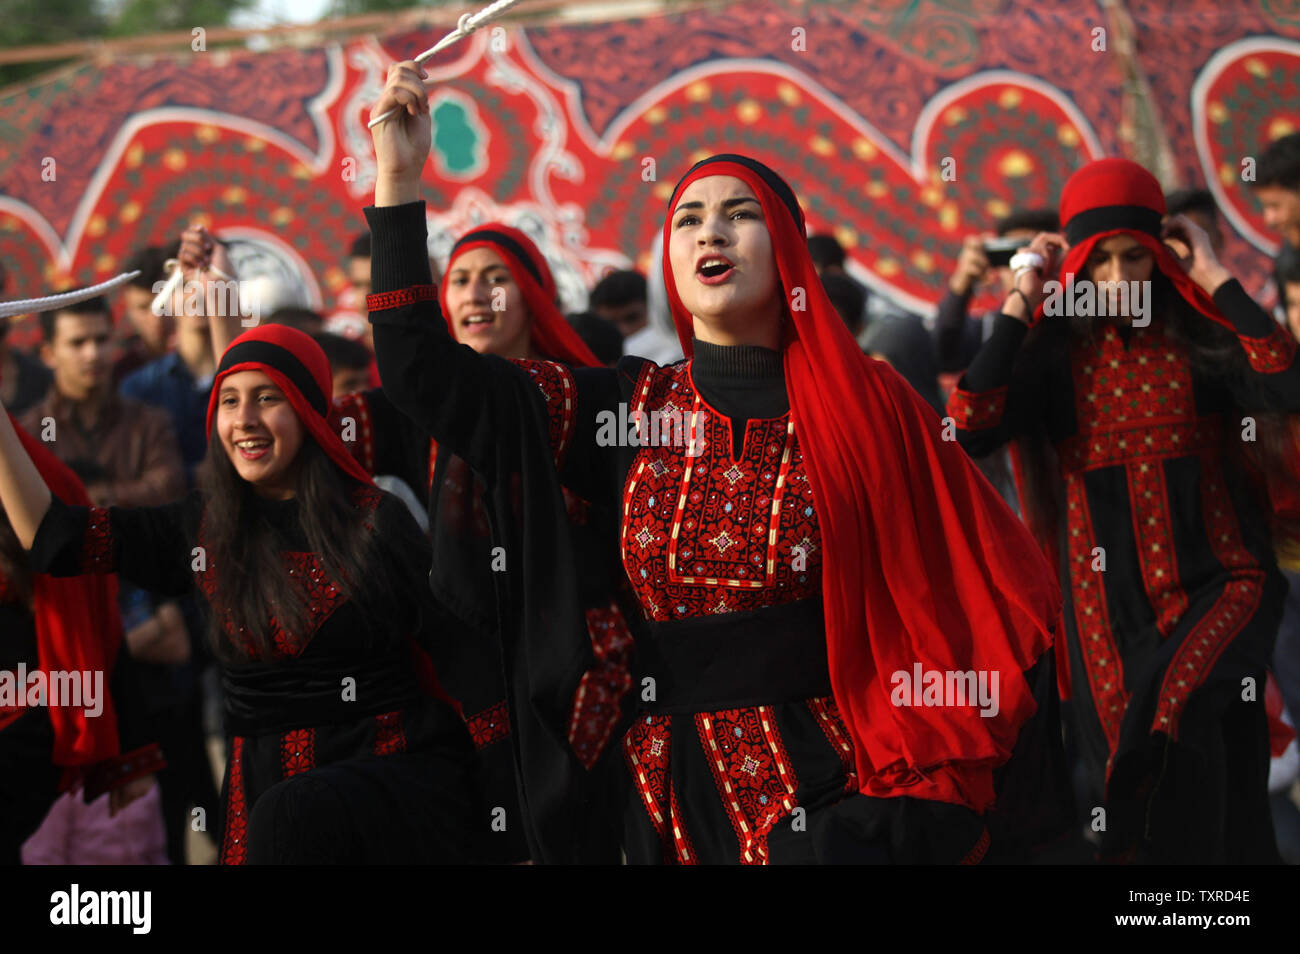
{"type": "Point", "coordinates": [246, 552]}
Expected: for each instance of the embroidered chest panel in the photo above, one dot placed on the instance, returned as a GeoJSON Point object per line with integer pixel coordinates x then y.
{"type": "Point", "coordinates": [320, 594]}
{"type": "Point", "coordinates": [1134, 404]}
{"type": "Point", "coordinates": [705, 533]}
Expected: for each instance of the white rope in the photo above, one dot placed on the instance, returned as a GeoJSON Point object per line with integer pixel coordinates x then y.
{"type": "Point", "coordinates": [27, 306]}
{"type": "Point", "coordinates": [467, 24]}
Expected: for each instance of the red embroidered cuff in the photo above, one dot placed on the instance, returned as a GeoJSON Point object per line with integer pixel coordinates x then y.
{"type": "Point", "coordinates": [383, 301]}
{"type": "Point", "coordinates": [977, 411]}
{"type": "Point", "coordinates": [97, 544]}
{"type": "Point", "coordinates": [490, 725]}
{"type": "Point", "coordinates": [1271, 354]}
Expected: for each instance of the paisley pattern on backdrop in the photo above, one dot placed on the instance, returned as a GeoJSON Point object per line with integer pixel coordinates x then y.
{"type": "Point", "coordinates": [903, 124]}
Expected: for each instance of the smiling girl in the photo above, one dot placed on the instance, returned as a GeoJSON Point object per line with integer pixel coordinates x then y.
{"type": "Point", "coordinates": [340, 749]}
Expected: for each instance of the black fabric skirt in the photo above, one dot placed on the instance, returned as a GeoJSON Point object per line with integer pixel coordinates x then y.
{"type": "Point", "coordinates": [407, 808]}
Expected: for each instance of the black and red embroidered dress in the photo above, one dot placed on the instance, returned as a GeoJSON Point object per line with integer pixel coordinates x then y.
{"type": "Point", "coordinates": [389, 764]}
{"type": "Point", "coordinates": [388, 442]}
{"type": "Point", "coordinates": [721, 546]}
{"type": "Point", "coordinates": [1173, 593]}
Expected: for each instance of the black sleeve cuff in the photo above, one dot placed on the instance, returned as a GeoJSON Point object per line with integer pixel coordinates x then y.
{"type": "Point", "coordinates": [1243, 311]}
{"type": "Point", "coordinates": [399, 251]}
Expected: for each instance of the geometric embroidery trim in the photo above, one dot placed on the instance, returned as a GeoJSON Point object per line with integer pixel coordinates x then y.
{"type": "Point", "coordinates": [383, 301]}
{"type": "Point", "coordinates": [488, 726]}
{"type": "Point", "coordinates": [977, 411]}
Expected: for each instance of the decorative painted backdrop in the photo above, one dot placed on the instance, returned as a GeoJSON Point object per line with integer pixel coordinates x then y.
{"type": "Point", "coordinates": [576, 133]}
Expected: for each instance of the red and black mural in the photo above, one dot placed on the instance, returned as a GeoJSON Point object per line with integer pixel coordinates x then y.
{"type": "Point", "coordinates": [903, 124]}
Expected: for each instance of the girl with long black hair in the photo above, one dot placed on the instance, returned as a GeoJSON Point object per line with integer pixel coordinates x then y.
{"type": "Point", "coordinates": [1145, 438]}
{"type": "Point", "coordinates": [341, 749]}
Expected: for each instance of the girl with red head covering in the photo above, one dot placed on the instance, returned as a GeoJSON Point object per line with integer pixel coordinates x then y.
{"type": "Point", "coordinates": [1138, 431]}
{"type": "Point", "coordinates": [802, 542]}
{"type": "Point", "coordinates": [340, 748]}
{"type": "Point", "coordinates": [499, 297]}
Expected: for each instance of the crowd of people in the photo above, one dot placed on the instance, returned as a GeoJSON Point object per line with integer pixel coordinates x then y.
{"type": "Point", "coordinates": [435, 609]}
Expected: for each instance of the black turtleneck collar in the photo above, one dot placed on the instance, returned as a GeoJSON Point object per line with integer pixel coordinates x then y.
{"type": "Point", "coordinates": [740, 381]}
{"type": "Point", "coordinates": [737, 363]}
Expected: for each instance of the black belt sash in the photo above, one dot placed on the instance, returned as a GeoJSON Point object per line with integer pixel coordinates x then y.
{"type": "Point", "coordinates": [274, 697]}
{"type": "Point", "coordinates": [734, 660]}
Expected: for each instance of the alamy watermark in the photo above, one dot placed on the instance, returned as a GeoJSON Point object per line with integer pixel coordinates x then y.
{"type": "Point", "coordinates": [946, 688]}
{"type": "Point", "coordinates": [77, 689]}
{"type": "Point", "coordinates": [217, 298]}
{"type": "Point", "coordinates": [1088, 299]}
{"type": "Point", "coordinates": [663, 427]}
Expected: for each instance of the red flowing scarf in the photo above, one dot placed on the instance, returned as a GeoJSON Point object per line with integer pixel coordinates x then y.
{"type": "Point", "coordinates": [552, 335]}
{"type": "Point", "coordinates": [301, 371]}
{"type": "Point", "coordinates": [924, 564]}
{"type": "Point", "coordinates": [78, 629]}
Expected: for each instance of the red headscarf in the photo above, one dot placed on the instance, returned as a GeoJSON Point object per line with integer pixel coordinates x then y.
{"type": "Point", "coordinates": [552, 336]}
{"type": "Point", "coordinates": [78, 629]}
{"type": "Point", "coordinates": [924, 563]}
{"type": "Point", "coordinates": [300, 369]}
{"type": "Point", "coordinates": [1112, 197]}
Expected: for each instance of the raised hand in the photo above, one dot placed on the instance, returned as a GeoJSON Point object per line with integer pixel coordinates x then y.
{"type": "Point", "coordinates": [402, 142]}
{"type": "Point", "coordinates": [972, 266]}
{"type": "Point", "coordinates": [1191, 246]}
{"type": "Point", "coordinates": [1027, 292]}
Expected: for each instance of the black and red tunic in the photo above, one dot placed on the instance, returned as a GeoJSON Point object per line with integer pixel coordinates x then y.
{"type": "Point", "coordinates": [1173, 592]}
{"type": "Point", "coordinates": [388, 442]}
{"type": "Point", "coordinates": [387, 767]}
{"type": "Point", "coordinates": [737, 727]}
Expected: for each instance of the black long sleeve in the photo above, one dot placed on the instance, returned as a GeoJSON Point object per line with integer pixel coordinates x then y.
{"type": "Point", "coordinates": [987, 407]}
{"type": "Point", "coordinates": [148, 546]}
{"type": "Point", "coordinates": [1272, 379]}
{"type": "Point", "coordinates": [956, 337]}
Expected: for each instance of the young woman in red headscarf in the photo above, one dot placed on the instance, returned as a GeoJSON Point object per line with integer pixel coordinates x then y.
{"type": "Point", "coordinates": [1136, 434]}
{"type": "Point", "coordinates": [801, 548]}
{"type": "Point", "coordinates": [499, 297]}
{"type": "Point", "coordinates": [341, 749]}
{"type": "Point", "coordinates": [49, 626]}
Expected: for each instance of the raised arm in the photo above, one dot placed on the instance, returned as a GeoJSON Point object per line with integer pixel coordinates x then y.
{"type": "Point", "coordinates": [952, 322]}
{"type": "Point", "coordinates": [988, 408]}
{"type": "Point", "coordinates": [23, 491]}
{"type": "Point", "coordinates": [1271, 381]}
{"type": "Point", "coordinates": [462, 399]}
{"type": "Point", "coordinates": [146, 545]}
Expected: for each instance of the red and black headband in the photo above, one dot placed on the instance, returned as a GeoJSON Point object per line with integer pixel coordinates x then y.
{"type": "Point", "coordinates": [552, 336]}
{"type": "Point", "coordinates": [499, 237]}
{"type": "Point", "coordinates": [779, 186]}
{"type": "Point", "coordinates": [1112, 197]}
{"type": "Point", "coordinates": [255, 351]}
{"type": "Point", "coordinates": [298, 367]}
